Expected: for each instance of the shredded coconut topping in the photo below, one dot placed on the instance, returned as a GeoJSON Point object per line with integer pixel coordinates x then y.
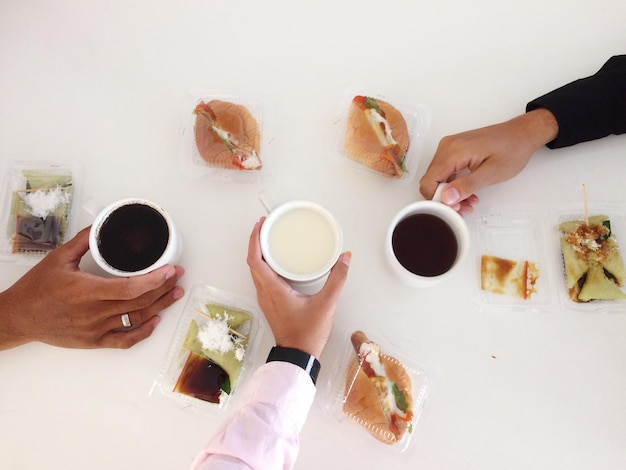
{"type": "Point", "coordinates": [44, 201]}
{"type": "Point", "coordinates": [216, 335]}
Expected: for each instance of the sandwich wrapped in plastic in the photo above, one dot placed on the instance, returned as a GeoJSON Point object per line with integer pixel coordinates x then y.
{"type": "Point", "coordinates": [377, 392]}
{"type": "Point", "coordinates": [380, 135]}
{"type": "Point", "coordinates": [226, 137]}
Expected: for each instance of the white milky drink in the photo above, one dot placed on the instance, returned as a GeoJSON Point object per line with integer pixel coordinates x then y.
{"type": "Point", "coordinates": [302, 241]}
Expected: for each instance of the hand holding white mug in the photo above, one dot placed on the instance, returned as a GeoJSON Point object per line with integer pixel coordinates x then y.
{"type": "Point", "coordinates": [134, 236]}
{"type": "Point", "coordinates": [426, 242]}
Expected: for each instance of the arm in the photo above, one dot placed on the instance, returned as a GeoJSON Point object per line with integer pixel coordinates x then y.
{"type": "Point", "coordinates": [57, 303]}
{"type": "Point", "coordinates": [586, 109]}
{"type": "Point", "coordinates": [589, 108]}
{"type": "Point", "coordinates": [263, 432]}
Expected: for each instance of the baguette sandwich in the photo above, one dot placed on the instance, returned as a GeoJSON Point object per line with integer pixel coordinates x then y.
{"type": "Point", "coordinates": [378, 392]}
{"type": "Point", "coordinates": [227, 135]}
{"type": "Point", "coordinates": [377, 136]}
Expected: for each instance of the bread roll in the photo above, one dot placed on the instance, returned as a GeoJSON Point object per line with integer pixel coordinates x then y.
{"type": "Point", "coordinates": [377, 136]}
{"type": "Point", "coordinates": [227, 135]}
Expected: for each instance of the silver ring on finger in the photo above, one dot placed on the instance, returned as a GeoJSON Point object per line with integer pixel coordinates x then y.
{"type": "Point", "coordinates": [126, 320]}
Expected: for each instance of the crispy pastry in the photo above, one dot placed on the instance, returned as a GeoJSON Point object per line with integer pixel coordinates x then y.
{"type": "Point", "coordinates": [594, 269]}
{"type": "Point", "coordinates": [377, 136]}
{"type": "Point", "coordinates": [508, 277]}
{"type": "Point", "coordinates": [227, 135]}
{"type": "Point", "coordinates": [378, 392]}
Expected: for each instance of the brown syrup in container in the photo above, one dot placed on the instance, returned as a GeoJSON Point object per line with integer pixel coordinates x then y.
{"type": "Point", "coordinates": [201, 378]}
{"type": "Point", "coordinates": [424, 244]}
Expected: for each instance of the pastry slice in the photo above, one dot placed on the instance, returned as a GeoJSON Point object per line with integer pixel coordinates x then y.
{"type": "Point", "coordinates": [508, 277]}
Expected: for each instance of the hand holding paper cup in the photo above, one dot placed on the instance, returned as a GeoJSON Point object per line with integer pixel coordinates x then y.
{"type": "Point", "coordinates": [301, 241]}
{"type": "Point", "coordinates": [426, 242]}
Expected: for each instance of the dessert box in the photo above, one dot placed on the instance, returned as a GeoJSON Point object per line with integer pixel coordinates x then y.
{"type": "Point", "coordinates": [340, 387]}
{"type": "Point", "coordinates": [615, 211]}
{"type": "Point", "coordinates": [531, 233]}
{"type": "Point", "coordinates": [38, 207]}
{"type": "Point", "coordinates": [212, 351]}
{"type": "Point", "coordinates": [417, 120]}
{"type": "Point", "coordinates": [190, 161]}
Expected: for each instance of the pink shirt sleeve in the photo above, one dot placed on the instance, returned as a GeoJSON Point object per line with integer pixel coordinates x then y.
{"type": "Point", "coordinates": [263, 432]}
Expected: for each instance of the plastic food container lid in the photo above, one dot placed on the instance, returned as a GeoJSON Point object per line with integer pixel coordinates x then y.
{"type": "Point", "coordinates": [185, 353]}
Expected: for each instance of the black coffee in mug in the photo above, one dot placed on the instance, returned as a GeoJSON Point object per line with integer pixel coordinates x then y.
{"type": "Point", "coordinates": [133, 237]}
{"type": "Point", "coordinates": [424, 244]}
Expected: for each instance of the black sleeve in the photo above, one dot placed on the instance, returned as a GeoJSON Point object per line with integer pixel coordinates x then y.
{"type": "Point", "coordinates": [589, 108]}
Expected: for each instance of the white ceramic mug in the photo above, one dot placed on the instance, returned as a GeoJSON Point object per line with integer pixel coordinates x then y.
{"type": "Point", "coordinates": [133, 236]}
{"type": "Point", "coordinates": [301, 241]}
{"type": "Point", "coordinates": [439, 262]}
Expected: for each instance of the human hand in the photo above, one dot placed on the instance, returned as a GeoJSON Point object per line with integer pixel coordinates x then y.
{"type": "Point", "coordinates": [57, 303]}
{"type": "Point", "coordinates": [297, 320]}
{"type": "Point", "coordinates": [486, 156]}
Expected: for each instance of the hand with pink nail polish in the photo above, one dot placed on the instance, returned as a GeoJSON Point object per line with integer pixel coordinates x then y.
{"type": "Point", "coordinates": [478, 158]}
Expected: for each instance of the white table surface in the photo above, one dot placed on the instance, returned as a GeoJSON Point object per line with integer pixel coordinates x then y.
{"type": "Point", "coordinates": [103, 83]}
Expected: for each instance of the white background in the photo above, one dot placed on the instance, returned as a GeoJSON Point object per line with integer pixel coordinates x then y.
{"type": "Point", "coordinates": [104, 83]}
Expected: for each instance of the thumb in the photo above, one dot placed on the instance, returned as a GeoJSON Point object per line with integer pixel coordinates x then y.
{"type": "Point", "coordinates": [336, 278]}
{"type": "Point", "coordinates": [460, 189]}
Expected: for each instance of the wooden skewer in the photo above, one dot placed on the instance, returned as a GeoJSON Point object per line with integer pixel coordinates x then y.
{"type": "Point", "coordinates": [235, 332]}
{"type": "Point", "coordinates": [585, 203]}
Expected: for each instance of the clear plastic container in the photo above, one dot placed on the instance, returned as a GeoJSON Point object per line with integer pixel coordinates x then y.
{"type": "Point", "coordinates": [340, 381]}
{"type": "Point", "coordinates": [192, 165]}
{"type": "Point", "coordinates": [195, 349]}
{"type": "Point", "coordinates": [417, 119]}
{"type": "Point", "coordinates": [38, 209]}
{"type": "Point", "coordinates": [515, 233]}
{"type": "Point", "coordinates": [531, 233]}
{"type": "Point", "coordinates": [615, 211]}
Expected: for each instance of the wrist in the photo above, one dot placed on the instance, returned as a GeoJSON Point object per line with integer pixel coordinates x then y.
{"type": "Point", "coordinates": [305, 361]}
{"type": "Point", "coordinates": [540, 126]}
{"type": "Point", "coordinates": [10, 336]}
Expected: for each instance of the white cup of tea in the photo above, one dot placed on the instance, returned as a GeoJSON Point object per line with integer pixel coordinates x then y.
{"type": "Point", "coordinates": [133, 236]}
{"type": "Point", "coordinates": [301, 241]}
{"type": "Point", "coordinates": [426, 242]}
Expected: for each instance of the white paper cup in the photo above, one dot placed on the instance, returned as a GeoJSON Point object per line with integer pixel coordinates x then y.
{"type": "Point", "coordinates": [429, 259]}
{"type": "Point", "coordinates": [132, 237]}
{"type": "Point", "coordinates": [301, 241]}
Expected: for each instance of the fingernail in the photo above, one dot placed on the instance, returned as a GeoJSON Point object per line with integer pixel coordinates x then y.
{"type": "Point", "coordinates": [171, 270]}
{"type": "Point", "coordinates": [178, 293]}
{"type": "Point", "coordinates": [346, 258]}
{"type": "Point", "coordinates": [450, 196]}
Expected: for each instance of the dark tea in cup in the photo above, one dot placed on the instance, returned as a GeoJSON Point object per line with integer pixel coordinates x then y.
{"type": "Point", "coordinates": [132, 237]}
{"type": "Point", "coordinates": [425, 244]}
